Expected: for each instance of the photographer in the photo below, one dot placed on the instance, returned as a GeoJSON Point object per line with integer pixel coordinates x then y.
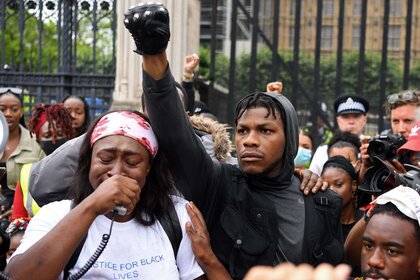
{"type": "Point", "coordinates": [401, 110]}
{"type": "Point", "coordinates": [381, 178]}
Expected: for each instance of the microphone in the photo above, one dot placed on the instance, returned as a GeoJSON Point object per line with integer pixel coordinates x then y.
{"type": "Point", "coordinates": [120, 210]}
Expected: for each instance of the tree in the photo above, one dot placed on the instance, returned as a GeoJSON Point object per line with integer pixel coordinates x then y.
{"type": "Point", "coordinates": [328, 74]}
{"type": "Point", "coordinates": [50, 44]}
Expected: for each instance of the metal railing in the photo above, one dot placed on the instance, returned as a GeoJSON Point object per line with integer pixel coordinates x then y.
{"type": "Point", "coordinates": [55, 48]}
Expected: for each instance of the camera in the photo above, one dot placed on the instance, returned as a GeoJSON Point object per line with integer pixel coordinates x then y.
{"type": "Point", "coordinates": [385, 146]}
{"type": "Point", "coordinates": [380, 178]}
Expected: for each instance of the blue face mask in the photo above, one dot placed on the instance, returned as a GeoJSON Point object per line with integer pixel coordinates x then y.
{"type": "Point", "coordinates": [303, 156]}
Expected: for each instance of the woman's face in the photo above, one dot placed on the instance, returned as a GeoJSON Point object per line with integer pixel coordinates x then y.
{"type": "Point", "coordinates": [349, 154]}
{"type": "Point", "coordinates": [305, 141]}
{"type": "Point", "coordinates": [12, 110]}
{"type": "Point", "coordinates": [121, 155]}
{"type": "Point", "coordinates": [46, 134]}
{"type": "Point", "coordinates": [76, 107]}
{"type": "Point", "coordinates": [341, 183]}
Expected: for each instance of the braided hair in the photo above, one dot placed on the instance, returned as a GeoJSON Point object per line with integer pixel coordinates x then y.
{"type": "Point", "coordinates": [56, 115]}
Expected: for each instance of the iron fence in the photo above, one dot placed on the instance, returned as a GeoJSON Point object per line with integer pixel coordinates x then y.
{"type": "Point", "coordinates": [387, 28]}
{"type": "Point", "coordinates": [55, 48]}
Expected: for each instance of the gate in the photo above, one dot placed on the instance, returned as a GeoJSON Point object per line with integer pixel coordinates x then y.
{"type": "Point", "coordinates": [55, 48]}
{"type": "Point", "coordinates": [323, 30]}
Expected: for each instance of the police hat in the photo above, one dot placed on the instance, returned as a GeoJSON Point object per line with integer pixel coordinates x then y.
{"type": "Point", "coordinates": [351, 103]}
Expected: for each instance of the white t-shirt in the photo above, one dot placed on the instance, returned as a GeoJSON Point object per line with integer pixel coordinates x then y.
{"type": "Point", "coordinates": [318, 160]}
{"type": "Point", "coordinates": [134, 251]}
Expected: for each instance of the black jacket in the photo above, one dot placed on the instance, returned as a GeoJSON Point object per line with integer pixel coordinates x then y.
{"type": "Point", "coordinates": [251, 220]}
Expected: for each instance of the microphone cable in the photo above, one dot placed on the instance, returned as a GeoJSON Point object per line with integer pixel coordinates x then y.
{"type": "Point", "coordinates": [96, 254]}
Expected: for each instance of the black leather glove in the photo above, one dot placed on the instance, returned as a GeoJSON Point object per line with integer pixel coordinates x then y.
{"type": "Point", "coordinates": [148, 23]}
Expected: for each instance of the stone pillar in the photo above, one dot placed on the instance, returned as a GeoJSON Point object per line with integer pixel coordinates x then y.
{"type": "Point", "coordinates": [185, 28]}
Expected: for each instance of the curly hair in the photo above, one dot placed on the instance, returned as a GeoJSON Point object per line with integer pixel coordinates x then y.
{"type": "Point", "coordinates": [57, 117]}
{"type": "Point", "coordinates": [155, 195]}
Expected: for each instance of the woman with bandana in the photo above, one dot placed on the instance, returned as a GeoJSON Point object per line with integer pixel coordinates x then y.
{"type": "Point", "coordinates": [119, 165]}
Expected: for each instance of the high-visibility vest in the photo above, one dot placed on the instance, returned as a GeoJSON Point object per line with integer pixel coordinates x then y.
{"type": "Point", "coordinates": [28, 202]}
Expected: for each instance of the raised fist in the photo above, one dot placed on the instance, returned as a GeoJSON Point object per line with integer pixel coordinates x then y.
{"type": "Point", "coordinates": [148, 23]}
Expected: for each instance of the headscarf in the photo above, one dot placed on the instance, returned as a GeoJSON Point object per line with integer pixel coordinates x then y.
{"type": "Point", "coordinates": [127, 124]}
{"type": "Point", "coordinates": [343, 163]}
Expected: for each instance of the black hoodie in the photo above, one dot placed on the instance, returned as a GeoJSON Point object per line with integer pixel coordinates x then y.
{"type": "Point", "coordinates": [251, 220]}
{"type": "Point", "coordinates": [283, 190]}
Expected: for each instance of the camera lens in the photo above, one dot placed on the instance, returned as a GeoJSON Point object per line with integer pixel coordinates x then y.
{"type": "Point", "coordinates": [378, 149]}
{"type": "Point", "coordinates": [384, 179]}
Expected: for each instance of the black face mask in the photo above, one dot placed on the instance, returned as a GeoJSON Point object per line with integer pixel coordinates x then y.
{"type": "Point", "coordinates": [48, 146]}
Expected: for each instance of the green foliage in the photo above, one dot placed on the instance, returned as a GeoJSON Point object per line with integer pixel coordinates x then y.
{"type": "Point", "coordinates": [85, 48]}
{"type": "Point", "coordinates": [221, 68]}
{"type": "Point", "coordinates": [415, 76]}
{"type": "Point", "coordinates": [31, 60]}
{"type": "Point", "coordinates": [328, 75]}
{"type": "Point", "coordinates": [50, 47]}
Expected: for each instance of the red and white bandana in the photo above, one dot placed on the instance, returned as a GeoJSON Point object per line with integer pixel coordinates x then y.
{"type": "Point", "coordinates": [127, 124]}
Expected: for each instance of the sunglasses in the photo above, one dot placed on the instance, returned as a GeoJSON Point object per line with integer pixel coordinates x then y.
{"type": "Point", "coordinates": [17, 91]}
{"type": "Point", "coordinates": [404, 96]}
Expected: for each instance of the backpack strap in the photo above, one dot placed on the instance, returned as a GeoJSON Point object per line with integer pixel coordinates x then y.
{"type": "Point", "coordinates": [172, 227]}
{"type": "Point", "coordinates": [73, 259]}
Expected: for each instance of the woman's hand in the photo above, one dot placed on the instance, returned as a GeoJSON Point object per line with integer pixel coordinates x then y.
{"type": "Point", "coordinates": [118, 190]}
{"type": "Point", "coordinates": [311, 182]}
{"type": "Point", "coordinates": [200, 238]}
{"type": "Point", "coordinates": [200, 242]}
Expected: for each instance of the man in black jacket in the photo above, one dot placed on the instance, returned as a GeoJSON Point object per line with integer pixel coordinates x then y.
{"type": "Point", "coordinates": [255, 213]}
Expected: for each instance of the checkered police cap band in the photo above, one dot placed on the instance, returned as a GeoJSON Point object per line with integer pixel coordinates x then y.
{"type": "Point", "coordinates": [351, 105]}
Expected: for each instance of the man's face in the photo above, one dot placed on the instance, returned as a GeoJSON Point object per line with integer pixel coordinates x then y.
{"type": "Point", "coordinates": [260, 142]}
{"type": "Point", "coordinates": [403, 118]}
{"type": "Point", "coordinates": [354, 123]}
{"type": "Point", "coordinates": [390, 249]}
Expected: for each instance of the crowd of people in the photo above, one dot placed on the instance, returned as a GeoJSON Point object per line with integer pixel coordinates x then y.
{"type": "Point", "coordinates": [165, 193]}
